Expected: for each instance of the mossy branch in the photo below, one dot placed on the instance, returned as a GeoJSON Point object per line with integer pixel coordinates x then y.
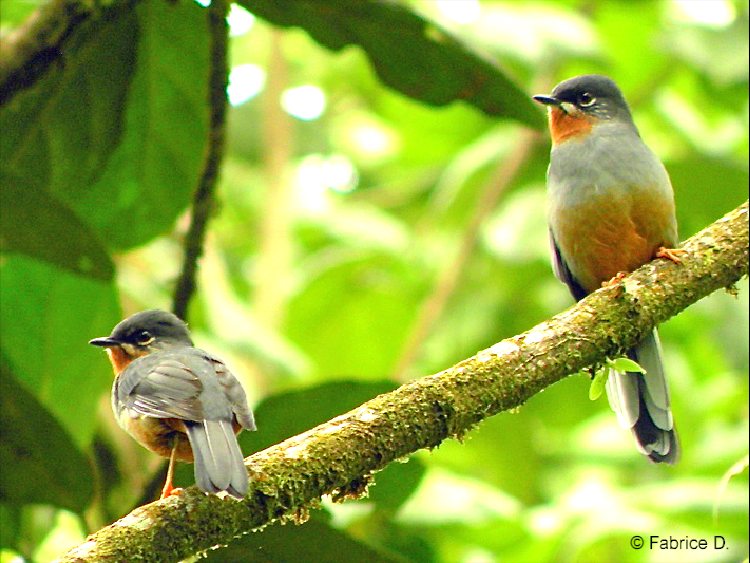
{"type": "Point", "coordinates": [337, 457]}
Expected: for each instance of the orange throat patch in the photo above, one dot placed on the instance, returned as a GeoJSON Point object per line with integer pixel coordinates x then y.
{"type": "Point", "coordinates": [121, 358]}
{"type": "Point", "coordinates": [565, 126]}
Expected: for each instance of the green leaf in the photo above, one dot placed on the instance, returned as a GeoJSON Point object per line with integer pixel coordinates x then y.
{"type": "Point", "coordinates": [15, 13]}
{"type": "Point", "coordinates": [312, 541]}
{"type": "Point", "coordinates": [365, 311]}
{"type": "Point", "coordinates": [117, 130]}
{"type": "Point", "coordinates": [690, 178]}
{"type": "Point", "coordinates": [47, 317]}
{"type": "Point", "coordinates": [625, 365]}
{"type": "Point", "coordinates": [151, 175]}
{"type": "Point", "coordinates": [409, 53]}
{"type": "Point", "coordinates": [395, 484]}
{"type": "Point", "coordinates": [597, 384]}
{"type": "Point", "coordinates": [10, 521]}
{"type": "Point", "coordinates": [41, 463]}
{"type": "Point", "coordinates": [58, 236]}
{"type": "Point", "coordinates": [59, 134]}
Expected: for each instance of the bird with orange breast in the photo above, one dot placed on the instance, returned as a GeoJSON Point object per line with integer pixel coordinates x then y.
{"type": "Point", "coordinates": [178, 401]}
{"type": "Point", "coordinates": [611, 210]}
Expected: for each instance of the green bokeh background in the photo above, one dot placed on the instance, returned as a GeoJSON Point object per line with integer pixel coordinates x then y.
{"type": "Point", "coordinates": [329, 237]}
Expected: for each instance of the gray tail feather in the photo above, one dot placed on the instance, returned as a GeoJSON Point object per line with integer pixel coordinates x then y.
{"type": "Point", "coordinates": [218, 459]}
{"type": "Point", "coordinates": [641, 403]}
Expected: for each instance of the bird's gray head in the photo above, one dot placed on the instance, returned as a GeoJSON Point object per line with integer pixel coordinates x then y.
{"type": "Point", "coordinates": [593, 95]}
{"type": "Point", "coordinates": [140, 333]}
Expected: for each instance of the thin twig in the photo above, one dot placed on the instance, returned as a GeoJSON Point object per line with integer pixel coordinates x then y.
{"type": "Point", "coordinates": [203, 199]}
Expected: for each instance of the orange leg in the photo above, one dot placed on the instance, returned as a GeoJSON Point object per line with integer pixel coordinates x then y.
{"type": "Point", "coordinates": [672, 254]}
{"type": "Point", "coordinates": [618, 278]}
{"type": "Point", "coordinates": [169, 489]}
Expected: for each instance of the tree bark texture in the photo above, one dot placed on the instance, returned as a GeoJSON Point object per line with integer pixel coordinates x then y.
{"type": "Point", "coordinates": [338, 457]}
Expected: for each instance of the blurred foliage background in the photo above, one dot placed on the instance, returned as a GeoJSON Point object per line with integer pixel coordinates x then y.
{"type": "Point", "coordinates": [362, 238]}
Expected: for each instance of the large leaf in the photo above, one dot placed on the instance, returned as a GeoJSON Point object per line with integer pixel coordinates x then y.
{"type": "Point", "coordinates": [41, 464]}
{"type": "Point", "coordinates": [367, 318]}
{"type": "Point", "coordinates": [117, 130]}
{"type": "Point", "coordinates": [395, 484]}
{"type": "Point", "coordinates": [694, 178]}
{"type": "Point", "coordinates": [46, 319]}
{"type": "Point", "coordinates": [36, 224]}
{"type": "Point", "coordinates": [59, 134]}
{"type": "Point", "coordinates": [10, 523]}
{"type": "Point", "coordinates": [149, 179]}
{"type": "Point", "coordinates": [409, 53]}
{"type": "Point", "coordinates": [312, 541]}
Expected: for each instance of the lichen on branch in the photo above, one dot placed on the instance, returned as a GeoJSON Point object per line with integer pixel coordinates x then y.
{"type": "Point", "coordinates": [337, 457]}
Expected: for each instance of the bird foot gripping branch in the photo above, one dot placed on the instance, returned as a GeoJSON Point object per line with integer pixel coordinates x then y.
{"type": "Point", "coordinates": [672, 254]}
{"type": "Point", "coordinates": [178, 401]}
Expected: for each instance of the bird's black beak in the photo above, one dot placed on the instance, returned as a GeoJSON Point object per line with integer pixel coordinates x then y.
{"type": "Point", "coordinates": [546, 100]}
{"type": "Point", "coordinates": [105, 342]}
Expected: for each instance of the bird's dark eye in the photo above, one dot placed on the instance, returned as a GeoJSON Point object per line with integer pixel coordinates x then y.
{"type": "Point", "coordinates": [143, 337]}
{"type": "Point", "coordinates": [586, 100]}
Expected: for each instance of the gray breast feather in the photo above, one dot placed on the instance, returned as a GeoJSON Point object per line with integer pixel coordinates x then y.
{"type": "Point", "coordinates": [582, 169]}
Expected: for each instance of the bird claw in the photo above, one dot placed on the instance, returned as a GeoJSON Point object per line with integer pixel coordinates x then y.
{"type": "Point", "coordinates": [672, 254]}
{"type": "Point", "coordinates": [616, 279]}
{"type": "Point", "coordinates": [168, 491]}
